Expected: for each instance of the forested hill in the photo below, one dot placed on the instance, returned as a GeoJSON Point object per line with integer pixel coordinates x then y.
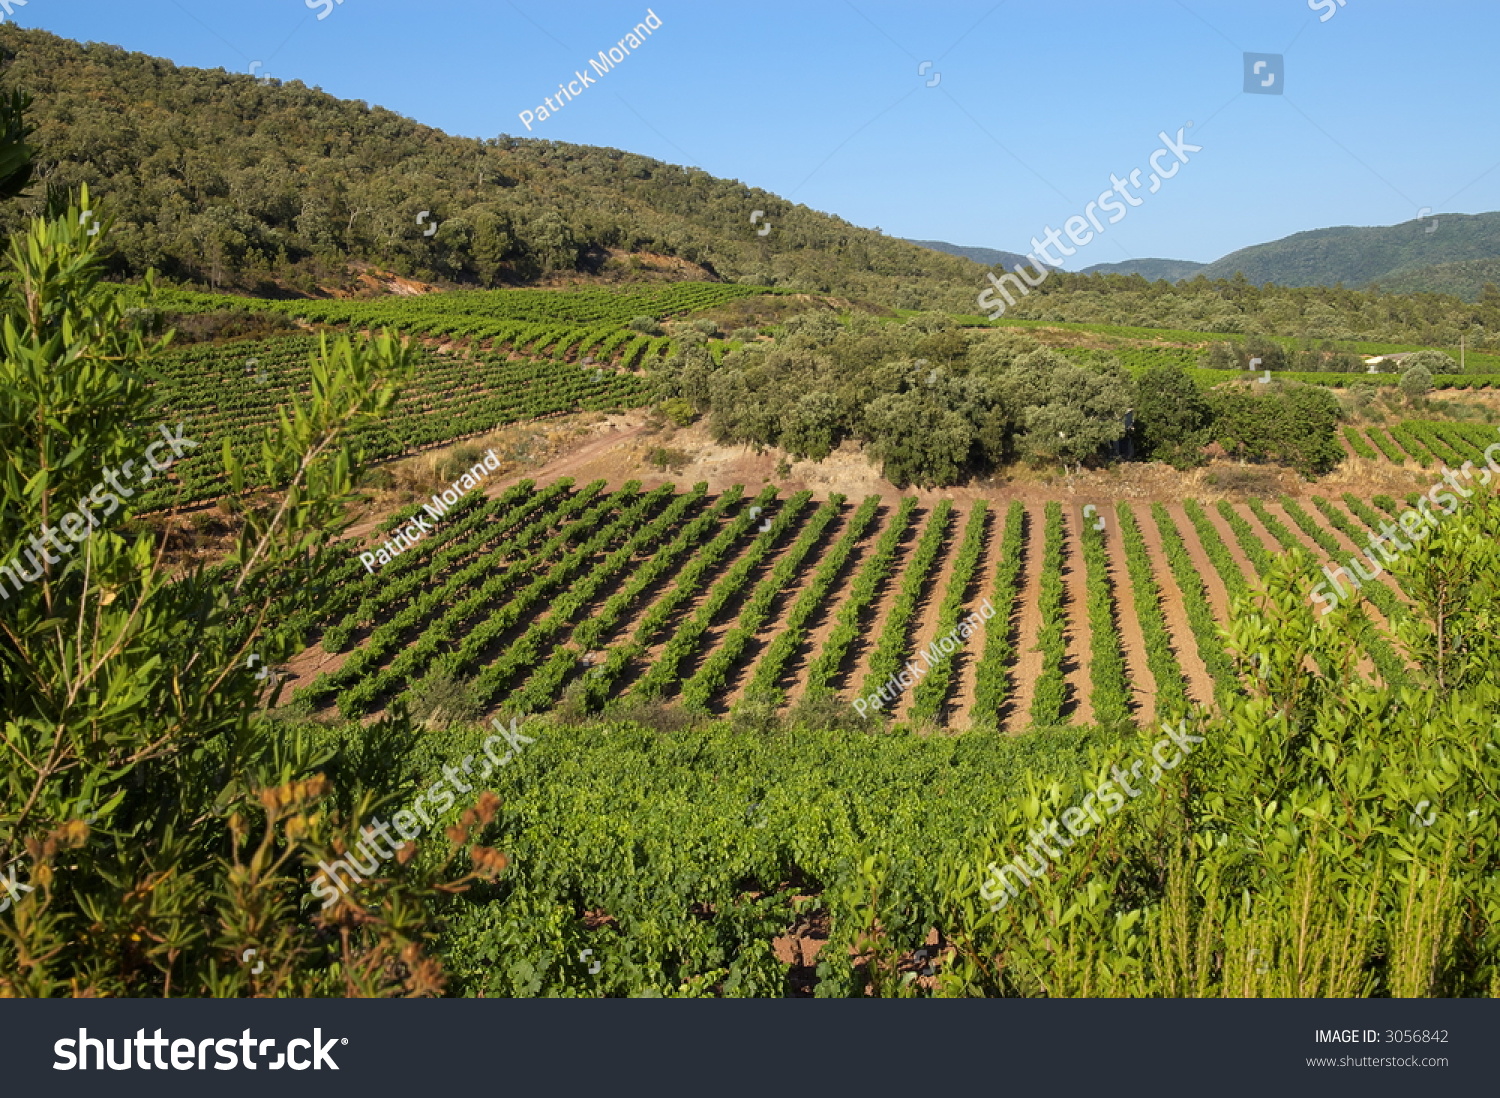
{"type": "Point", "coordinates": [264, 186]}
{"type": "Point", "coordinates": [1360, 256]}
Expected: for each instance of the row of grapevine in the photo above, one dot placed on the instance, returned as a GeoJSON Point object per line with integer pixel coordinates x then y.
{"type": "Point", "coordinates": [542, 593]}
{"type": "Point", "coordinates": [1383, 442]}
{"type": "Point", "coordinates": [1051, 686]}
{"type": "Point", "coordinates": [1218, 553]}
{"type": "Point", "coordinates": [826, 669]}
{"type": "Point", "coordinates": [765, 685]}
{"type": "Point", "coordinates": [713, 675]}
{"type": "Point", "coordinates": [499, 550]}
{"type": "Point", "coordinates": [394, 583]}
{"type": "Point", "coordinates": [541, 636]}
{"type": "Point", "coordinates": [1161, 660]}
{"type": "Point", "coordinates": [1309, 526]}
{"type": "Point", "coordinates": [1358, 444]}
{"type": "Point", "coordinates": [1439, 442]}
{"type": "Point", "coordinates": [1409, 441]}
{"type": "Point", "coordinates": [932, 691]}
{"type": "Point", "coordinates": [690, 579]}
{"type": "Point", "coordinates": [1466, 436]}
{"type": "Point", "coordinates": [540, 691]}
{"type": "Point", "coordinates": [427, 594]}
{"type": "Point", "coordinates": [890, 652]}
{"type": "Point", "coordinates": [1250, 545]}
{"type": "Point", "coordinates": [1110, 696]}
{"type": "Point", "coordinates": [1385, 601]}
{"type": "Point", "coordinates": [1380, 595]}
{"type": "Point", "coordinates": [1361, 512]}
{"type": "Point", "coordinates": [534, 306]}
{"type": "Point", "coordinates": [1382, 655]}
{"type": "Point", "coordinates": [231, 392]}
{"type": "Point", "coordinates": [992, 676]}
{"type": "Point", "coordinates": [1200, 613]}
{"type": "Point", "coordinates": [510, 587]}
{"type": "Point", "coordinates": [664, 671]}
{"type": "Point", "coordinates": [485, 555]}
{"type": "Point", "coordinates": [1425, 440]}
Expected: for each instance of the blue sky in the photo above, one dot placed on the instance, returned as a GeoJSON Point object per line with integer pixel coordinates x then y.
{"type": "Point", "coordinates": [1388, 106]}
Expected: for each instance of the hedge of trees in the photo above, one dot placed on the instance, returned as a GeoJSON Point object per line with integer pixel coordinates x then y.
{"type": "Point", "coordinates": [1290, 424]}
{"type": "Point", "coordinates": [935, 405]}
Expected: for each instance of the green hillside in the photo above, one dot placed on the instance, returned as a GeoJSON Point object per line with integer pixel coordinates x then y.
{"type": "Point", "coordinates": [222, 181]}
{"type": "Point", "coordinates": [1466, 278]}
{"type": "Point", "coordinates": [1358, 256]}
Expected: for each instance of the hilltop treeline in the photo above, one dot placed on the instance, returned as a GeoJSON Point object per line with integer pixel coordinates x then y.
{"type": "Point", "coordinates": [225, 181]}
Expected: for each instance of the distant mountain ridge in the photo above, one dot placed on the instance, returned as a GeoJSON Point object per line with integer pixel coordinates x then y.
{"type": "Point", "coordinates": [988, 256]}
{"type": "Point", "coordinates": [1173, 270]}
{"type": "Point", "coordinates": [1449, 253]}
{"type": "Point", "coordinates": [1359, 255]}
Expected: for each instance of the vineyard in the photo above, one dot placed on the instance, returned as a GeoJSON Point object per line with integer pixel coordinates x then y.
{"type": "Point", "coordinates": [1426, 443]}
{"type": "Point", "coordinates": [490, 358]}
{"type": "Point", "coordinates": [230, 392]}
{"type": "Point", "coordinates": [482, 359]}
{"type": "Point", "coordinates": [622, 637]}
{"type": "Point", "coordinates": [579, 594]}
{"type": "Point", "coordinates": [729, 603]}
{"type": "Point", "coordinates": [583, 326]}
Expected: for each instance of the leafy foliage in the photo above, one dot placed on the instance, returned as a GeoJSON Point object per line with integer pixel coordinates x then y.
{"type": "Point", "coordinates": [1051, 690]}
{"type": "Point", "coordinates": [162, 825]}
{"type": "Point", "coordinates": [1296, 426]}
{"type": "Point", "coordinates": [233, 181]}
{"type": "Point", "coordinates": [1174, 417]}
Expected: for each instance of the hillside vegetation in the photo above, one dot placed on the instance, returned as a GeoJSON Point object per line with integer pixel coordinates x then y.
{"type": "Point", "coordinates": [1361, 255]}
{"type": "Point", "coordinates": [1237, 305]}
{"type": "Point", "coordinates": [221, 180]}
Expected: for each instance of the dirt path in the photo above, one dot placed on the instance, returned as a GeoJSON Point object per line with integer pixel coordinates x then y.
{"type": "Point", "coordinates": [1015, 714]}
{"type": "Point", "coordinates": [593, 460]}
{"type": "Point", "coordinates": [1078, 637]}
